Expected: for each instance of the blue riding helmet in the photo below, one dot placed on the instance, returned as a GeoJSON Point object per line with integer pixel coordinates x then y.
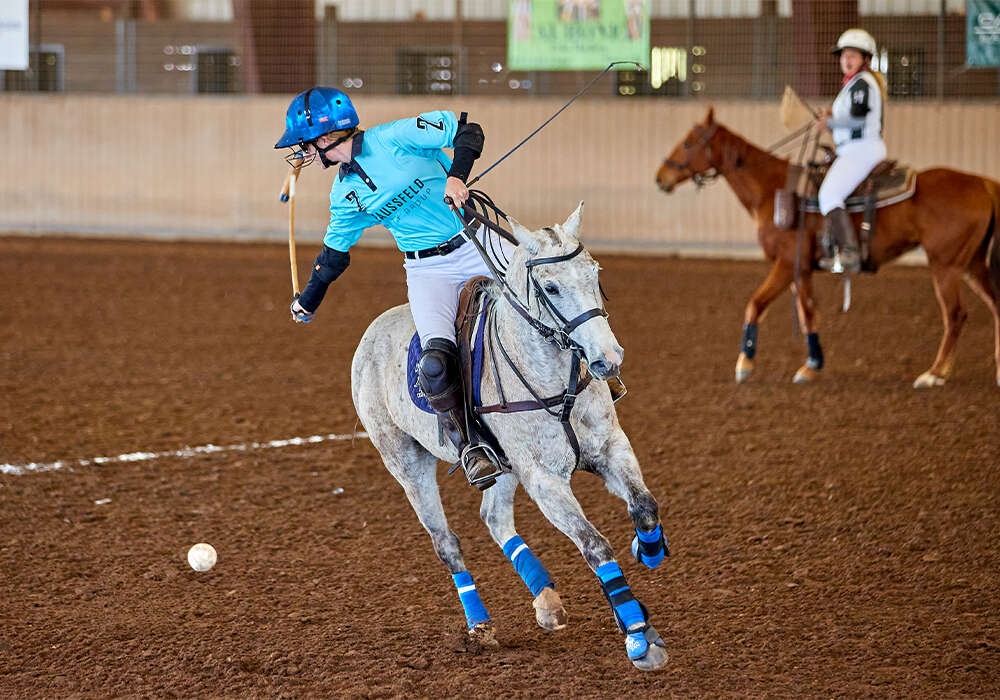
{"type": "Point", "coordinates": [315, 112]}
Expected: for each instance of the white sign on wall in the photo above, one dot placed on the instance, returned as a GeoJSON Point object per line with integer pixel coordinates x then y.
{"type": "Point", "coordinates": [14, 34]}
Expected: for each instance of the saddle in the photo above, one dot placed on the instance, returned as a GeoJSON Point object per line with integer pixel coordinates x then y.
{"type": "Point", "coordinates": [888, 183]}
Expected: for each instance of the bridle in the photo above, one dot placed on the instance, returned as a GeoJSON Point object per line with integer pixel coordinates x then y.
{"type": "Point", "coordinates": [705, 141]}
{"type": "Point", "coordinates": [558, 334]}
{"type": "Point", "coordinates": [561, 405]}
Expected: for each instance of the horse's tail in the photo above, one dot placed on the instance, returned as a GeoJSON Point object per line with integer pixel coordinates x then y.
{"type": "Point", "coordinates": [992, 240]}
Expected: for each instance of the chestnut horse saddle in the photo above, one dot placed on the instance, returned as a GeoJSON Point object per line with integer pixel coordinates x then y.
{"type": "Point", "coordinates": [888, 183]}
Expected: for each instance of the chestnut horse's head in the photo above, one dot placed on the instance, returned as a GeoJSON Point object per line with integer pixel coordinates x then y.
{"type": "Point", "coordinates": [696, 157]}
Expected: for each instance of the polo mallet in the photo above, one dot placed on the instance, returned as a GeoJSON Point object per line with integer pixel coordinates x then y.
{"type": "Point", "coordinates": [288, 195]}
{"type": "Point", "coordinates": [584, 89]}
{"type": "Point", "coordinates": [795, 110]}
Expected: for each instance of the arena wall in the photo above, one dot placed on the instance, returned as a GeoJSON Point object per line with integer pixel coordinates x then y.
{"type": "Point", "coordinates": [204, 167]}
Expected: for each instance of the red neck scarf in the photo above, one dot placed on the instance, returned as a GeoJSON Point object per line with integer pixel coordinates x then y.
{"type": "Point", "coordinates": [849, 78]}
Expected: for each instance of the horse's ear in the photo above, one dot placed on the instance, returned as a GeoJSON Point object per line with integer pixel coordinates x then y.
{"type": "Point", "coordinates": [525, 237]}
{"type": "Point", "coordinates": [710, 117]}
{"type": "Point", "coordinates": [571, 226]}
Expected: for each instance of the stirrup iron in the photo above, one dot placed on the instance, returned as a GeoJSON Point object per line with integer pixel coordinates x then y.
{"type": "Point", "coordinates": [618, 389]}
{"type": "Point", "coordinates": [837, 267]}
{"type": "Point", "coordinates": [467, 458]}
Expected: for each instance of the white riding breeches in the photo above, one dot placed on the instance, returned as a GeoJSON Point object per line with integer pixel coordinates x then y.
{"type": "Point", "coordinates": [855, 159]}
{"type": "Point", "coordinates": [433, 286]}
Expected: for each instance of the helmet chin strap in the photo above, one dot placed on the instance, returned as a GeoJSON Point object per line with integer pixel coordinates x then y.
{"type": "Point", "coordinates": [321, 152]}
{"type": "Point", "coordinates": [327, 163]}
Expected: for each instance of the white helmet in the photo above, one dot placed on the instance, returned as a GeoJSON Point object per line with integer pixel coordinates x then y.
{"type": "Point", "coordinates": [855, 39]}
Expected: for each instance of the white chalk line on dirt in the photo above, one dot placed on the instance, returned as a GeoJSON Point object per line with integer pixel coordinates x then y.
{"type": "Point", "coordinates": [18, 469]}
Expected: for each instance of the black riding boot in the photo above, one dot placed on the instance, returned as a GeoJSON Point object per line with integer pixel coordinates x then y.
{"type": "Point", "coordinates": [839, 236]}
{"type": "Point", "coordinates": [439, 379]}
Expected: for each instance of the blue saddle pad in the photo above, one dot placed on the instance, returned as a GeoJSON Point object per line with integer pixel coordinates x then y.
{"type": "Point", "coordinates": [413, 357]}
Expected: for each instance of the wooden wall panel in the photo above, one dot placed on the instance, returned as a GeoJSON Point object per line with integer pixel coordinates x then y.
{"type": "Point", "coordinates": [205, 167]}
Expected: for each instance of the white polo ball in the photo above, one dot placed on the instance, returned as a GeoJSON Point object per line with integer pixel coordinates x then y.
{"type": "Point", "coordinates": [202, 557]}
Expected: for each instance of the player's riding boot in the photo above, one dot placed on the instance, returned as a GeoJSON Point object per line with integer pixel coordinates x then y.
{"type": "Point", "coordinates": [440, 381]}
{"type": "Point", "coordinates": [838, 234]}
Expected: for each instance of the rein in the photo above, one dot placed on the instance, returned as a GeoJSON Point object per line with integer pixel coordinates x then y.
{"type": "Point", "coordinates": [714, 172]}
{"type": "Point", "coordinates": [557, 334]}
{"type": "Point", "coordinates": [564, 400]}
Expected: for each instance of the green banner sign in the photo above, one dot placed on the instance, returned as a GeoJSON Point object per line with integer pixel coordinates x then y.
{"type": "Point", "coordinates": [982, 33]}
{"type": "Point", "coordinates": [576, 34]}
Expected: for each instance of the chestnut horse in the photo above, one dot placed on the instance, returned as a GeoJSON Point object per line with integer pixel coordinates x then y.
{"type": "Point", "coordinates": [955, 216]}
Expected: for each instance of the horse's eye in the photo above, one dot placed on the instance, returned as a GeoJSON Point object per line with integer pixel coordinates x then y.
{"type": "Point", "coordinates": [551, 288]}
{"type": "Point", "coordinates": [687, 145]}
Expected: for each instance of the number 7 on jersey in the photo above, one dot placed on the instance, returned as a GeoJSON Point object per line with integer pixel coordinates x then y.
{"type": "Point", "coordinates": [423, 124]}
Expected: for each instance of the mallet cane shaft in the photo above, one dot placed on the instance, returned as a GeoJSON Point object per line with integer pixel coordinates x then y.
{"type": "Point", "coordinates": [288, 195]}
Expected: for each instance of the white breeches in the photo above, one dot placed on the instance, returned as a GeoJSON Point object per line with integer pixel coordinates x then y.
{"type": "Point", "coordinates": [433, 286]}
{"type": "Point", "coordinates": [855, 159]}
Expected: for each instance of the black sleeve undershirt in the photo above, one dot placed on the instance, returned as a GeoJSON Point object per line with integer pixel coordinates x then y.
{"type": "Point", "coordinates": [469, 140]}
{"type": "Point", "coordinates": [329, 265]}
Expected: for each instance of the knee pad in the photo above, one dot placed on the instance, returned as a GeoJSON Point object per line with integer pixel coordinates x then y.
{"type": "Point", "coordinates": [433, 366]}
{"type": "Point", "coordinates": [437, 374]}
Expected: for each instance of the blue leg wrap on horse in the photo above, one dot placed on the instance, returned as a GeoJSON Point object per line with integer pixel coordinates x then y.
{"type": "Point", "coordinates": [649, 548]}
{"type": "Point", "coordinates": [475, 611]}
{"type": "Point", "coordinates": [815, 351]}
{"type": "Point", "coordinates": [749, 345]}
{"type": "Point", "coordinates": [527, 566]}
{"type": "Point", "coordinates": [626, 608]}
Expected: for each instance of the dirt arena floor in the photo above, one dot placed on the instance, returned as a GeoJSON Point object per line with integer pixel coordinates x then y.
{"type": "Point", "coordinates": [834, 540]}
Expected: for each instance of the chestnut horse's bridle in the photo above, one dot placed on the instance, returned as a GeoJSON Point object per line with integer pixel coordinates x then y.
{"type": "Point", "coordinates": [704, 140]}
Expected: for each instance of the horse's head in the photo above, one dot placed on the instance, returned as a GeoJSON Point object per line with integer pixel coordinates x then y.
{"type": "Point", "coordinates": [561, 291]}
{"type": "Point", "coordinates": [697, 156]}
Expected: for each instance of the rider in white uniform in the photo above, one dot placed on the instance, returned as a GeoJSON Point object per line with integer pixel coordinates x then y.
{"type": "Point", "coordinates": [396, 174]}
{"type": "Point", "coordinates": [856, 122]}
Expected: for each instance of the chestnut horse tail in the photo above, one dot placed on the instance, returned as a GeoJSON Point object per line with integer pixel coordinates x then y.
{"type": "Point", "coordinates": [993, 238]}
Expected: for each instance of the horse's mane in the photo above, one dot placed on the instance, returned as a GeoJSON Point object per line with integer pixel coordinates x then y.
{"type": "Point", "coordinates": [745, 150]}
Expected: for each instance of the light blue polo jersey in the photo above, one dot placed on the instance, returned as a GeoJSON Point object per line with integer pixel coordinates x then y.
{"type": "Point", "coordinates": [396, 178]}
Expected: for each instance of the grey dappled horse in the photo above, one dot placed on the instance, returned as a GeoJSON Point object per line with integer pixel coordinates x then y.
{"type": "Point", "coordinates": [550, 278]}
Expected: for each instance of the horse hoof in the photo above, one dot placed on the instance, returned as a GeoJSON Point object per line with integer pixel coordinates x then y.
{"type": "Point", "coordinates": [928, 380]}
{"type": "Point", "coordinates": [483, 637]}
{"type": "Point", "coordinates": [654, 659]}
{"type": "Point", "coordinates": [549, 611]}
{"type": "Point", "coordinates": [744, 368]}
{"type": "Point", "coordinates": [805, 375]}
